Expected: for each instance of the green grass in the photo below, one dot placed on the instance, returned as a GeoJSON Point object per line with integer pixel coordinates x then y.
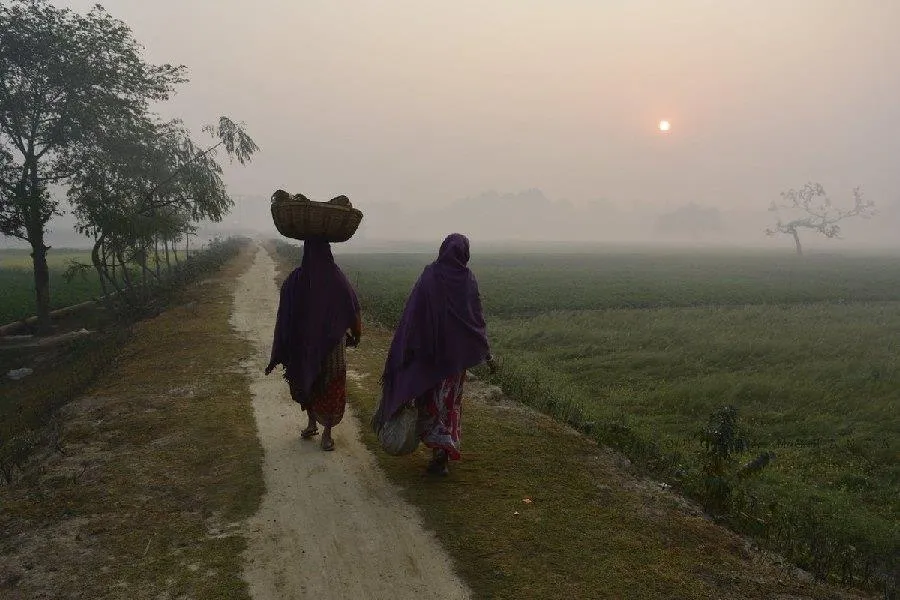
{"type": "Point", "coordinates": [17, 282]}
{"type": "Point", "coordinates": [57, 258]}
{"type": "Point", "coordinates": [816, 384]}
{"type": "Point", "coordinates": [639, 349]}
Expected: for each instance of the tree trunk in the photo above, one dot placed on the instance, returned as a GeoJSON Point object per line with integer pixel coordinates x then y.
{"type": "Point", "coordinates": [797, 242]}
{"type": "Point", "coordinates": [107, 272]}
{"type": "Point", "coordinates": [126, 276]}
{"type": "Point", "coordinates": [106, 266]}
{"type": "Point", "coordinates": [98, 265]}
{"type": "Point", "coordinates": [35, 229]}
{"type": "Point", "coordinates": [41, 280]}
{"type": "Point", "coordinates": [168, 264]}
{"type": "Point", "coordinates": [149, 274]}
{"type": "Point", "coordinates": [156, 258]}
{"type": "Point", "coordinates": [144, 293]}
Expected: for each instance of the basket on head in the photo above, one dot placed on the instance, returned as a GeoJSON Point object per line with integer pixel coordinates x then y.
{"type": "Point", "coordinates": [302, 219]}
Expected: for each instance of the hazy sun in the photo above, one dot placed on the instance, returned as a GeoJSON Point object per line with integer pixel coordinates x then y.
{"type": "Point", "coordinates": [664, 126]}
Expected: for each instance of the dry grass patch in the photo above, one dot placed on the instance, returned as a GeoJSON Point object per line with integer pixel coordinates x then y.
{"type": "Point", "coordinates": [159, 464]}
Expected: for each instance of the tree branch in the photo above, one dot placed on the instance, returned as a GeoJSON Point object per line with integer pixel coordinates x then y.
{"type": "Point", "coordinates": [821, 215]}
{"type": "Point", "coordinates": [14, 234]}
{"type": "Point", "coordinates": [182, 168]}
{"type": "Point", "coordinates": [13, 130]}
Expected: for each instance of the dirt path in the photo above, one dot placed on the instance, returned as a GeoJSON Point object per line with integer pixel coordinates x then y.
{"type": "Point", "coordinates": [330, 525]}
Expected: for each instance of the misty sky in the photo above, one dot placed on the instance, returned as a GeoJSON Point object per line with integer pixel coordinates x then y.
{"type": "Point", "coordinates": [423, 102]}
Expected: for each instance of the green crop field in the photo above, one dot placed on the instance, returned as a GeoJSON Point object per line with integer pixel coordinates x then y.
{"type": "Point", "coordinates": [639, 349]}
{"type": "Point", "coordinates": [17, 282]}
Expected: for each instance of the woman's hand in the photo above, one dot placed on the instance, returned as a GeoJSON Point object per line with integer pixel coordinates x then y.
{"type": "Point", "coordinates": [355, 333]}
{"type": "Point", "coordinates": [492, 364]}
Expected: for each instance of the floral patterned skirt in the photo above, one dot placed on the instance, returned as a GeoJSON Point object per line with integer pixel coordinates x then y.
{"type": "Point", "coordinates": [328, 397]}
{"type": "Point", "coordinates": [440, 412]}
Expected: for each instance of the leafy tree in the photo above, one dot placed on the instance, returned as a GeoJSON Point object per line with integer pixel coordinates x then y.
{"type": "Point", "coordinates": [815, 211]}
{"type": "Point", "coordinates": [69, 83]}
{"type": "Point", "coordinates": [150, 188]}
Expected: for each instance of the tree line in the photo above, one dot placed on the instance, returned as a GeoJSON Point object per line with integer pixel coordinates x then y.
{"type": "Point", "coordinates": [76, 100]}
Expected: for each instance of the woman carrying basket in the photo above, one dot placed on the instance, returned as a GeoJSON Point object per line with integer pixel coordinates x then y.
{"type": "Point", "coordinates": [441, 335]}
{"type": "Point", "coordinates": [318, 308]}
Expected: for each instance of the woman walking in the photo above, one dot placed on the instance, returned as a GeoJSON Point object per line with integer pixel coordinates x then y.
{"type": "Point", "coordinates": [318, 308]}
{"type": "Point", "coordinates": [441, 335]}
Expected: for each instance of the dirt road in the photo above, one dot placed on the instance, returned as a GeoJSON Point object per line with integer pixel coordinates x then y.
{"type": "Point", "coordinates": [330, 525]}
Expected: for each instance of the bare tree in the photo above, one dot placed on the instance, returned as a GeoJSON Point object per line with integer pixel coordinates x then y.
{"type": "Point", "coordinates": [814, 210]}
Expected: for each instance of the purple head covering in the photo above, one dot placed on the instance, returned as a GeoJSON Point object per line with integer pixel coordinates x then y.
{"type": "Point", "coordinates": [317, 307]}
{"type": "Point", "coordinates": [441, 333]}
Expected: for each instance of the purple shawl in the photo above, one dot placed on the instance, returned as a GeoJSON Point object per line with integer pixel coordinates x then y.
{"type": "Point", "coordinates": [442, 331]}
{"type": "Point", "coordinates": [317, 307]}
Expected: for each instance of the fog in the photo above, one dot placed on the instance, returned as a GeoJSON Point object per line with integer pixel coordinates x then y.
{"type": "Point", "coordinates": [537, 119]}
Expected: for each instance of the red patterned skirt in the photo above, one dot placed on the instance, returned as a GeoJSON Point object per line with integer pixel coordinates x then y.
{"type": "Point", "coordinates": [328, 397]}
{"type": "Point", "coordinates": [440, 415]}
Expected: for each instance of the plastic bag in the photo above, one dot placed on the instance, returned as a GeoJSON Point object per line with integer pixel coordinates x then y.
{"type": "Point", "coordinates": [398, 435]}
{"type": "Point", "coordinates": [17, 374]}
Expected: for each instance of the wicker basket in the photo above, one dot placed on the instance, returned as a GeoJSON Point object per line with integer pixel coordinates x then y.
{"type": "Point", "coordinates": [306, 220]}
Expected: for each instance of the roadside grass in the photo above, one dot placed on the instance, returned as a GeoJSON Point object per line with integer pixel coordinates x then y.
{"type": "Point", "coordinates": [159, 464]}
{"type": "Point", "coordinates": [815, 384]}
{"type": "Point", "coordinates": [59, 375]}
{"type": "Point", "coordinates": [591, 529]}
{"type": "Point", "coordinates": [63, 369]}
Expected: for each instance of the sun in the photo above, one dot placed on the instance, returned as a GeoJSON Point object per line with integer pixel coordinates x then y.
{"type": "Point", "coordinates": [664, 126]}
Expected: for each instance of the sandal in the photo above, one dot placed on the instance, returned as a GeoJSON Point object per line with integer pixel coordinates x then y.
{"type": "Point", "coordinates": [327, 444]}
{"type": "Point", "coordinates": [438, 465]}
{"type": "Point", "coordinates": [308, 433]}
{"type": "Point", "coordinates": [438, 468]}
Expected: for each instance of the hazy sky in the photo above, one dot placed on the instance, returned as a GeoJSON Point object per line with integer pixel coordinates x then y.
{"type": "Point", "coordinates": [418, 101]}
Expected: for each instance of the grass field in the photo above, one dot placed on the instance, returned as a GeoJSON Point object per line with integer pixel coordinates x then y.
{"type": "Point", "coordinates": [17, 282]}
{"type": "Point", "coordinates": [528, 284]}
{"type": "Point", "coordinates": [639, 349]}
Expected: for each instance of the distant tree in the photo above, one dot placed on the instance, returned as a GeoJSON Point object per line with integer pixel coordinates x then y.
{"type": "Point", "coordinates": [692, 220]}
{"type": "Point", "coordinates": [814, 210]}
{"type": "Point", "coordinates": [69, 83]}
